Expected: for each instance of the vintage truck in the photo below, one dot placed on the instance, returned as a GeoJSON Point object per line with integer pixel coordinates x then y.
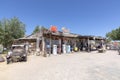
{"type": "Point", "coordinates": [17, 54]}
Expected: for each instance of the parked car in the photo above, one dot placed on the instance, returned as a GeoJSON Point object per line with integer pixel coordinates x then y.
{"type": "Point", "coordinates": [16, 54]}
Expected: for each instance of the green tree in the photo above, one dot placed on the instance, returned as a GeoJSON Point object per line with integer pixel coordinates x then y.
{"type": "Point", "coordinates": [114, 34]}
{"type": "Point", "coordinates": [11, 29]}
{"type": "Point", "coordinates": [39, 29]}
{"type": "Point", "coordinates": [17, 28]}
{"type": "Point", "coordinates": [1, 33]}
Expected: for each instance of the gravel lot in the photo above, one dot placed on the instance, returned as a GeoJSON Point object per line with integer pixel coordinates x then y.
{"type": "Point", "coordinates": [74, 66]}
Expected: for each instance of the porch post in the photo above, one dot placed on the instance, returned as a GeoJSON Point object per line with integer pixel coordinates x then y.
{"type": "Point", "coordinates": [50, 43]}
{"type": "Point", "coordinates": [37, 44]}
{"type": "Point", "coordinates": [88, 42]}
{"type": "Point", "coordinates": [43, 45]}
{"type": "Point", "coordinates": [59, 46]}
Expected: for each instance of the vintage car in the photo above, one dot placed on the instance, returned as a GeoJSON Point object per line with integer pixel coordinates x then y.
{"type": "Point", "coordinates": [17, 54]}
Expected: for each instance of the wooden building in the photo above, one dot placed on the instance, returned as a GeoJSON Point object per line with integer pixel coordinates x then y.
{"type": "Point", "coordinates": [39, 41]}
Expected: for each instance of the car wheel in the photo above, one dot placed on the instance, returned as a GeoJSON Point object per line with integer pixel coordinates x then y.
{"type": "Point", "coordinates": [8, 61]}
{"type": "Point", "coordinates": [25, 59]}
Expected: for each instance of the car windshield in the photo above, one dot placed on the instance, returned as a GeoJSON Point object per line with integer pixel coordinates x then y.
{"type": "Point", "coordinates": [17, 49]}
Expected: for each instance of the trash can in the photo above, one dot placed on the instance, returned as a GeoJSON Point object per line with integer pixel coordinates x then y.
{"type": "Point", "coordinates": [54, 49]}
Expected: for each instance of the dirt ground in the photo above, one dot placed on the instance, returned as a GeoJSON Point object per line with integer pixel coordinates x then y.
{"type": "Point", "coordinates": [74, 66]}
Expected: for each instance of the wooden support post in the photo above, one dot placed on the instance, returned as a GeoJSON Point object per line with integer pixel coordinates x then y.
{"type": "Point", "coordinates": [50, 44]}
{"type": "Point", "coordinates": [37, 44]}
{"type": "Point", "coordinates": [43, 45]}
{"type": "Point", "coordinates": [88, 45]}
{"type": "Point", "coordinates": [59, 46]}
{"type": "Point", "coordinates": [37, 47]}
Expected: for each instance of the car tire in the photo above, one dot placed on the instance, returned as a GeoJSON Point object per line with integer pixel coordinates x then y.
{"type": "Point", "coordinates": [25, 59]}
{"type": "Point", "coordinates": [8, 61]}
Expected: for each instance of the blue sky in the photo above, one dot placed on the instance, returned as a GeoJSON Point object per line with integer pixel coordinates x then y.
{"type": "Point", "coordinates": [85, 17]}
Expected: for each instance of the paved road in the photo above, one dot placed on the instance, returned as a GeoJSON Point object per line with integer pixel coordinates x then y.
{"type": "Point", "coordinates": [75, 66]}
